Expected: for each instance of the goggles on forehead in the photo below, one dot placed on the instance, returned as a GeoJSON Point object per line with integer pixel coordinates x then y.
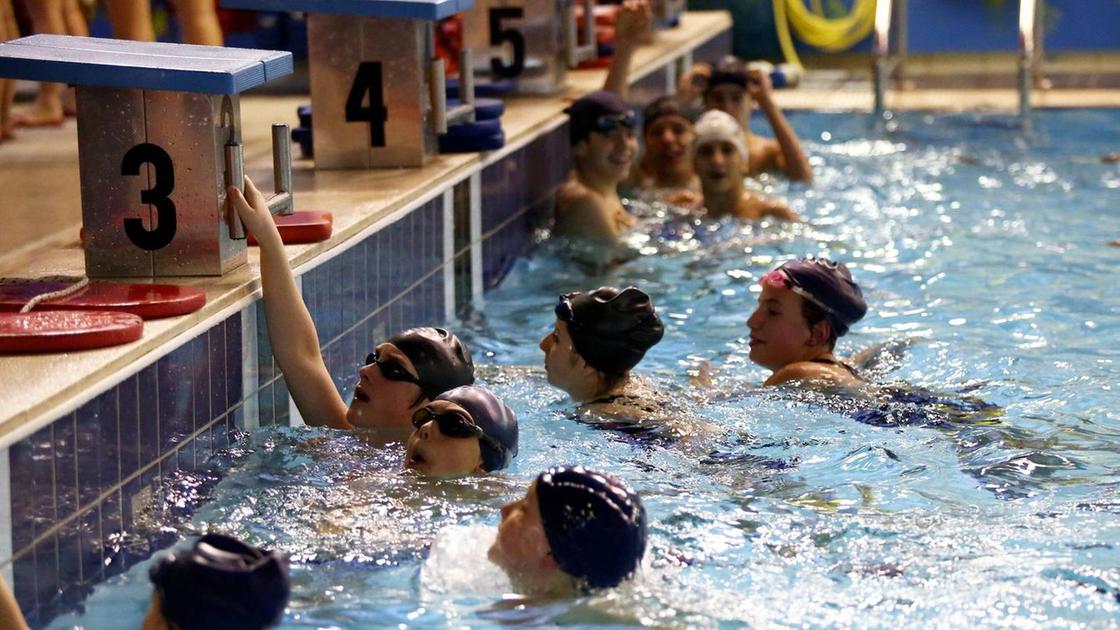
{"type": "Point", "coordinates": [779, 279]}
{"type": "Point", "coordinates": [609, 122]}
{"type": "Point", "coordinates": [454, 422]}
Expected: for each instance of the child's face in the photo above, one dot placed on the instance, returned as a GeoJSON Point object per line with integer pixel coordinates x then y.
{"type": "Point", "coordinates": [668, 140]}
{"type": "Point", "coordinates": [608, 154]}
{"type": "Point", "coordinates": [431, 452]}
{"type": "Point", "coordinates": [521, 548]}
{"type": "Point", "coordinates": [719, 165]}
{"type": "Point", "coordinates": [384, 397]}
{"type": "Point", "coordinates": [730, 98]}
{"type": "Point", "coordinates": [780, 334]}
{"type": "Point", "coordinates": [566, 369]}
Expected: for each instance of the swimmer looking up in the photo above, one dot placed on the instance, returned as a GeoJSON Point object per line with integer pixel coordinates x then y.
{"type": "Point", "coordinates": [574, 530]}
{"type": "Point", "coordinates": [601, 132]}
{"type": "Point", "coordinates": [402, 373]}
{"type": "Point", "coordinates": [465, 431]}
{"type": "Point", "coordinates": [597, 339]}
{"type": "Point", "coordinates": [219, 582]}
{"type": "Point", "coordinates": [805, 305]}
{"type": "Point", "coordinates": [720, 159]}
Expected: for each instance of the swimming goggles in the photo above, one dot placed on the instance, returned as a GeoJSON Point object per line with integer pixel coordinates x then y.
{"type": "Point", "coordinates": [393, 370]}
{"type": "Point", "coordinates": [608, 123]}
{"type": "Point", "coordinates": [779, 279]}
{"type": "Point", "coordinates": [453, 421]}
{"type": "Point", "coordinates": [564, 310]}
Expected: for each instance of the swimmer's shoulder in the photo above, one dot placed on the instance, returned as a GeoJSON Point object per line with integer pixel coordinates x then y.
{"type": "Point", "coordinates": [829, 374]}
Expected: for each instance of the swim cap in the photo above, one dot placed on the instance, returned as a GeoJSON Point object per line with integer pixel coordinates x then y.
{"type": "Point", "coordinates": [719, 126]}
{"type": "Point", "coordinates": [497, 421]}
{"type": "Point", "coordinates": [729, 70]}
{"type": "Point", "coordinates": [586, 112]}
{"type": "Point", "coordinates": [221, 583]}
{"type": "Point", "coordinates": [611, 329]}
{"type": "Point", "coordinates": [595, 525]}
{"type": "Point", "coordinates": [831, 287]}
{"type": "Point", "coordinates": [661, 107]}
{"type": "Point", "coordinates": [441, 360]}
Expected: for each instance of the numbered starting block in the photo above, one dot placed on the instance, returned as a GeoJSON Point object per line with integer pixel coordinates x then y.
{"type": "Point", "coordinates": [377, 87]}
{"type": "Point", "coordinates": [159, 139]}
{"type": "Point", "coordinates": [532, 42]}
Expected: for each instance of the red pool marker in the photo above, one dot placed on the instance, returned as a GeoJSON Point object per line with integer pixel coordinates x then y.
{"type": "Point", "coordinates": [306, 226]}
{"type": "Point", "coordinates": [149, 301]}
{"type": "Point", "coordinates": [66, 331]}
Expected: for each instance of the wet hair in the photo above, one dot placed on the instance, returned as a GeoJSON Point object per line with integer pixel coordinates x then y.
{"type": "Point", "coordinates": [497, 421]}
{"type": "Point", "coordinates": [441, 359]}
{"type": "Point", "coordinates": [221, 583]}
{"type": "Point", "coordinates": [611, 329]}
{"type": "Point", "coordinates": [814, 315]}
{"type": "Point", "coordinates": [594, 523]}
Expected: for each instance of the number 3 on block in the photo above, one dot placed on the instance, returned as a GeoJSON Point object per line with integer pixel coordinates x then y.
{"type": "Point", "coordinates": [368, 82]}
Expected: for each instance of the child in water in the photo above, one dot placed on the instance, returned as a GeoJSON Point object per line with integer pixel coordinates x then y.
{"type": "Point", "coordinates": [465, 431]}
{"type": "Point", "coordinates": [575, 529]}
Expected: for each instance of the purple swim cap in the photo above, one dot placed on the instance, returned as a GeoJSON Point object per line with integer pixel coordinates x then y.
{"type": "Point", "coordinates": [830, 286]}
{"type": "Point", "coordinates": [586, 111]}
{"type": "Point", "coordinates": [595, 525]}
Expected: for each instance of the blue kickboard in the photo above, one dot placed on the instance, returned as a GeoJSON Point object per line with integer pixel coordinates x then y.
{"type": "Point", "coordinates": [477, 129]}
{"type": "Point", "coordinates": [484, 108]}
{"type": "Point", "coordinates": [492, 142]}
{"type": "Point", "coordinates": [142, 65]}
{"type": "Point", "coordinates": [414, 9]}
{"type": "Point", "coordinates": [486, 88]}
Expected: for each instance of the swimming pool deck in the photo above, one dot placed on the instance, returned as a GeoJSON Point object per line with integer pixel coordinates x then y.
{"type": "Point", "coordinates": [39, 175]}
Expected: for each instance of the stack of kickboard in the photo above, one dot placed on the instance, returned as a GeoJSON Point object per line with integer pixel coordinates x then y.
{"type": "Point", "coordinates": [484, 134]}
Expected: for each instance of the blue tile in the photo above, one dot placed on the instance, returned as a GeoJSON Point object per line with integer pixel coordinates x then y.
{"type": "Point", "coordinates": [112, 534]}
{"type": "Point", "coordinates": [65, 467]}
{"type": "Point", "coordinates": [280, 402]}
{"type": "Point", "coordinates": [233, 356]}
{"type": "Point", "coordinates": [147, 386]}
{"type": "Point", "coordinates": [43, 512]}
{"type": "Point", "coordinates": [133, 548]}
{"type": "Point", "coordinates": [218, 380]}
{"type": "Point", "coordinates": [46, 573]}
{"type": "Point", "coordinates": [92, 548]}
{"type": "Point", "coordinates": [23, 500]}
{"type": "Point", "coordinates": [200, 393]}
{"type": "Point", "coordinates": [92, 421]}
{"type": "Point", "coordinates": [266, 369]}
{"type": "Point", "coordinates": [25, 586]}
{"type": "Point", "coordinates": [128, 423]}
{"type": "Point", "coordinates": [69, 558]}
{"type": "Point", "coordinates": [266, 409]}
{"type": "Point", "coordinates": [189, 458]}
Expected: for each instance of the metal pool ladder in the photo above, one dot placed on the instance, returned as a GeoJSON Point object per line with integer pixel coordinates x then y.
{"type": "Point", "coordinates": [885, 65]}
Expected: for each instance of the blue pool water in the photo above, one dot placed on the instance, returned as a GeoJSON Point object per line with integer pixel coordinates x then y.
{"type": "Point", "coordinates": [982, 253]}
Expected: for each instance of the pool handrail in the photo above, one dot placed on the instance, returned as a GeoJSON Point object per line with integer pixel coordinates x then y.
{"type": "Point", "coordinates": [1030, 44]}
{"type": "Point", "coordinates": [885, 65]}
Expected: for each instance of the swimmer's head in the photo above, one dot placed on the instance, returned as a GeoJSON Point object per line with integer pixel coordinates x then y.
{"type": "Point", "coordinates": [804, 307]}
{"type": "Point", "coordinates": [611, 329]}
{"type": "Point", "coordinates": [601, 130]}
{"type": "Point", "coordinates": [668, 132]}
{"type": "Point", "coordinates": [411, 367]}
{"type": "Point", "coordinates": [574, 527]}
{"type": "Point", "coordinates": [219, 583]}
{"type": "Point", "coordinates": [719, 151]}
{"type": "Point", "coordinates": [726, 89]}
{"type": "Point", "coordinates": [463, 431]}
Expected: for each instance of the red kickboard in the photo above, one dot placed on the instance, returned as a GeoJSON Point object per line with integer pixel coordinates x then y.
{"type": "Point", "coordinates": [66, 331]}
{"type": "Point", "coordinates": [305, 226]}
{"type": "Point", "coordinates": [149, 301]}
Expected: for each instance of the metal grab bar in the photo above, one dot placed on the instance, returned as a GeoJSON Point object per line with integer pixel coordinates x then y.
{"type": "Point", "coordinates": [885, 65]}
{"type": "Point", "coordinates": [281, 202]}
{"type": "Point", "coordinates": [1028, 34]}
{"type": "Point", "coordinates": [590, 48]}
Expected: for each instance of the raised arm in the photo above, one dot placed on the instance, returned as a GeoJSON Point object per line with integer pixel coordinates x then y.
{"type": "Point", "coordinates": [791, 159]}
{"type": "Point", "coordinates": [632, 19]}
{"type": "Point", "coordinates": [295, 343]}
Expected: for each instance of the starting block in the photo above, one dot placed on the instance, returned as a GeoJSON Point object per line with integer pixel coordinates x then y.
{"type": "Point", "coordinates": [377, 87]}
{"type": "Point", "coordinates": [159, 139]}
{"type": "Point", "coordinates": [532, 42]}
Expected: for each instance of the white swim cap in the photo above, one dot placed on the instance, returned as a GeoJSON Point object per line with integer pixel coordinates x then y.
{"type": "Point", "coordinates": [719, 126]}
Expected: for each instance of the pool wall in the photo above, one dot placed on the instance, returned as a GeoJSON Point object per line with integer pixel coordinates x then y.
{"type": "Point", "coordinates": [99, 489]}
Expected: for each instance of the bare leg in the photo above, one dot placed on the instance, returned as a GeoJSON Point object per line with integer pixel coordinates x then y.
{"type": "Point", "coordinates": [199, 21]}
{"type": "Point", "coordinates": [8, 30]}
{"type": "Point", "coordinates": [131, 19]}
{"type": "Point", "coordinates": [46, 17]}
{"type": "Point", "coordinates": [75, 25]}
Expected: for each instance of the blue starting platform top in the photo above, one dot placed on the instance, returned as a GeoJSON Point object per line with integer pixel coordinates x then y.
{"type": "Point", "coordinates": [143, 65]}
{"type": "Point", "coordinates": [414, 9]}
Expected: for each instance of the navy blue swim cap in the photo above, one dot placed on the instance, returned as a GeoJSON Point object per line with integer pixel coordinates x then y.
{"type": "Point", "coordinates": [830, 286]}
{"type": "Point", "coordinates": [441, 359]}
{"type": "Point", "coordinates": [661, 107]}
{"type": "Point", "coordinates": [497, 421]}
{"type": "Point", "coordinates": [586, 112]}
{"type": "Point", "coordinates": [611, 329]}
{"type": "Point", "coordinates": [595, 525]}
{"type": "Point", "coordinates": [221, 583]}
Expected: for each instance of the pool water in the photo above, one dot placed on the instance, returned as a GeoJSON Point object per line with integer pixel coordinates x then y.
{"type": "Point", "coordinates": [982, 252]}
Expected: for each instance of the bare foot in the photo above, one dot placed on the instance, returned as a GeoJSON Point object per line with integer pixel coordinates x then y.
{"type": "Point", "coordinates": [41, 114]}
{"type": "Point", "coordinates": [69, 103]}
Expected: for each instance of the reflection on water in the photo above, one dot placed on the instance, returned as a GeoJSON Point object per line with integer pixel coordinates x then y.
{"type": "Point", "coordinates": [991, 498]}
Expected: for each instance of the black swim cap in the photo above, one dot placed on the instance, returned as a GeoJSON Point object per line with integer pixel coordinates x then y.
{"type": "Point", "coordinates": [221, 583]}
{"type": "Point", "coordinates": [728, 70]}
{"type": "Point", "coordinates": [611, 329]}
{"type": "Point", "coordinates": [831, 286]}
{"type": "Point", "coordinates": [495, 418]}
{"type": "Point", "coordinates": [661, 107]}
{"type": "Point", "coordinates": [441, 360]}
{"type": "Point", "coordinates": [595, 525]}
{"type": "Point", "coordinates": [586, 111]}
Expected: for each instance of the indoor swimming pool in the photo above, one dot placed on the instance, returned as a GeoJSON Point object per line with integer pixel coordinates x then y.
{"type": "Point", "coordinates": [982, 251]}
